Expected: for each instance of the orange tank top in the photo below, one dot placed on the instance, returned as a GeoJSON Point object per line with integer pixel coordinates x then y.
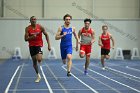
{"type": "Point", "coordinates": [37, 31]}
{"type": "Point", "coordinates": [105, 41]}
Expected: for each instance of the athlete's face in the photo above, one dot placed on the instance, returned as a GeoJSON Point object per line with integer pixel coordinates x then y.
{"type": "Point", "coordinates": [87, 24]}
{"type": "Point", "coordinates": [104, 29]}
{"type": "Point", "coordinates": [33, 20]}
{"type": "Point", "coordinates": [67, 20]}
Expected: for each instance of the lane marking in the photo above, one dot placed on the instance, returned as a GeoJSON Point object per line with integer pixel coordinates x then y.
{"type": "Point", "coordinates": [56, 78]}
{"type": "Point", "coordinates": [46, 81]}
{"type": "Point", "coordinates": [115, 81]}
{"type": "Point", "coordinates": [118, 73]}
{"type": "Point", "coordinates": [17, 82]}
{"type": "Point", "coordinates": [56, 89]}
{"type": "Point", "coordinates": [9, 84]}
{"type": "Point", "coordinates": [133, 68]}
{"type": "Point", "coordinates": [124, 73]}
{"type": "Point", "coordinates": [98, 81]}
{"type": "Point", "coordinates": [82, 81]}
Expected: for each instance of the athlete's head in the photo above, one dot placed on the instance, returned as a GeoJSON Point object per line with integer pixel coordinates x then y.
{"type": "Point", "coordinates": [87, 23]}
{"type": "Point", "coordinates": [104, 28]}
{"type": "Point", "coordinates": [33, 20]}
{"type": "Point", "coordinates": [67, 19]}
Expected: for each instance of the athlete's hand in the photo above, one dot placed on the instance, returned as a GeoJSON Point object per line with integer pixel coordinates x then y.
{"type": "Point", "coordinates": [112, 47]}
{"type": "Point", "coordinates": [92, 42]}
{"type": "Point", "coordinates": [49, 48]}
{"type": "Point", "coordinates": [76, 48]}
{"type": "Point", "coordinates": [100, 44]}
{"type": "Point", "coordinates": [33, 36]}
{"type": "Point", "coordinates": [64, 33]}
{"type": "Point", "coordinates": [79, 42]}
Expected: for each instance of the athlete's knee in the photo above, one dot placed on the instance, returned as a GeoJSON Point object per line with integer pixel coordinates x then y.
{"type": "Point", "coordinates": [102, 56]}
{"type": "Point", "coordinates": [88, 56]}
{"type": "Point", "coordinates": [69, 56]}
{"type": "Point", "coordinates": [34, 65]}
{"type": "Point", "coordinates": [82, 54]}
{"type": "Point", "coordinates": [107, 56]}
{"type": "Point", "coordinates": [39, 60]}
{"type": "Point", "coordinates": [64, 61]}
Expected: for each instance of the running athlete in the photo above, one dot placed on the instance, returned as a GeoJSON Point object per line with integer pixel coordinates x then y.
{"type": "Point", "coordinates": [65, 34]}
{"type": "Point", "coordinates": [87, 39]}
{"type": "Point", "coordinates": [33, 34]}
{"type": "Point", "coordinates": [104, 42]}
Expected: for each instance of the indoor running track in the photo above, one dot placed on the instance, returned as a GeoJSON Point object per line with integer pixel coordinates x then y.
{"type": "Point", "coordinates": [17, 76]}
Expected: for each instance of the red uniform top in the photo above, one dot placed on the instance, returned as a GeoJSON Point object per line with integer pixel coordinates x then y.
{"type": "Point", "coordinates": [105, 41]}
{"type": "Point", "coordinates": [86, 36]}
{"type": "Point", "coordinates": [37, 31]}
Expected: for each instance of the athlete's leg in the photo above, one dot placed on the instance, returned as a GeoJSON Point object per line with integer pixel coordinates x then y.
{"type": "Point", "coordinates": [102, 61]}
{"type": "Point", "coordinates": [69, 64]}
{"type": "Point", "coordinates": [88, 52]}
{"type": "Point", "coordinates": [36, 68]}
{"type": "Point", "coordinates": [64, 61]}
{"type": "Point", "coordinates": [35, 63]}
{"type": "Point", "coordinates": [82, 54]}
{"type": "Point", "coordinates": [39, 58]}
{"type": "Point", "coordinates": [102, 57]}
{"type": "Point", "coordinates": [63, 54]}
{"type": "Point", "coordinates": [107, 51]}
{"type": "Point", "coordinates": [34, 52]}
{"type": "Point", "coordinates": [87, 61]}
{"type": "Point", "coordinates": [82, 51]}
{"type": "Point", "coordinates": [107, 56]}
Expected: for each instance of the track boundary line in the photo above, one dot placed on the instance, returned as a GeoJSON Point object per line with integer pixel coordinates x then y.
{"type": "Point", "coordinates": [82, 81]}
{"type": "Point", "coordinates": [46, 81]}
{"type": "Point", "coordinates": [11, 80]}
{"type": "Point", "coordinates": [114, 80]}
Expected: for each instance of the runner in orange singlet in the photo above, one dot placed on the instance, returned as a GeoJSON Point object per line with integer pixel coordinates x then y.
{"type": "Point", "coordinates": [104, 42]}
{"type": "Point", "coordinates": [33, 34]}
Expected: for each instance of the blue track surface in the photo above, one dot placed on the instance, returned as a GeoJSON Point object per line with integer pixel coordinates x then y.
{"type": "Point", "coordinates": [119, 77]}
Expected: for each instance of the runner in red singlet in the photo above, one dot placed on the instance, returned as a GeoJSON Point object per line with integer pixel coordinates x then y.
{"type": "Point", "coordinates": [33, 34]}
{"type": "Point", "coordinates": [86, 34]}
{"type": "Point", "coordinates": [104, 42]}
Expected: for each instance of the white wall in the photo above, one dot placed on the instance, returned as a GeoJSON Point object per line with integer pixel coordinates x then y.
{"type": "Point", "coordinates": [21, 8]}
{"type": "Point", "coordinates": [56, 9]}
{"type": "Point", "coordinates": [12, 35]}
{"type": "Point", "coordinates": [116, 8]}
{"type": "Point", "coordinates": [79, 9]}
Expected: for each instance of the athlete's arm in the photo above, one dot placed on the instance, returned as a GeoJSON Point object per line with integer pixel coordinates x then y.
{"type": "Point", "coordinates": [113, 42]}
{"type": "Point", "coordinates": [47, 37]}
{"type": "Point", "coordinates": [58, 36]}
{"type": "Point", "coordinates": [76, 37]}
{"type": "Point", "coordinates": [27, 37]}
{"type": "Point", "coordinates": [100, 42]}
{"type": "Point", "coordinates": [93, 37]}
{"type": "Point", "coordinates": [79, 34]}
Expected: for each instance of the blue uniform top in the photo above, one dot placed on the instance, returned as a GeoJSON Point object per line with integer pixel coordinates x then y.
{"type": "Point", "coordinates": [67, 39]}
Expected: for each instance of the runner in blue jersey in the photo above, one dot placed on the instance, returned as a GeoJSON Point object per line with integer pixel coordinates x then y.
{"type": "Point", "coordinates": [65, 34]}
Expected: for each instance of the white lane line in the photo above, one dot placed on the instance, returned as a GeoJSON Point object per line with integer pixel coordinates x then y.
{"type": "Point", "coordinates": [48, 89]}
{"type": "Point", "coordinates": [17, 82]}
{"type": "Point", "coordinates": [124, 73]}
{"type": "Point", "coordinates": [133, 68]}
{"type": "Point", "coordinates": [56, 89]}
{"type": "Point", "coordinates": [120, 74]}
{"type": "Point", "coordinates": [98, 80]}
{"type": "Point", "coordinates": [65, 91]}
{"type": "Point", "coordinates": [9, 84]}
{"type": "Point", "coordinates": [46, 81]}
{"type": "Point", "coordinates": [82, 81]}
{"type": "Point", "coordinates": [115, 81]}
